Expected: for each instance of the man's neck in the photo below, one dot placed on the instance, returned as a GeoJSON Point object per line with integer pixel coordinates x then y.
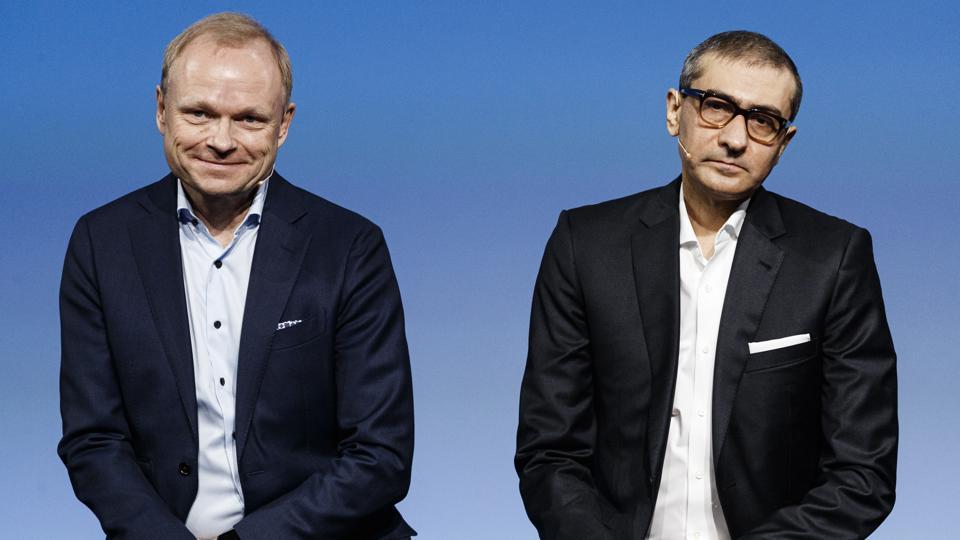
{"type": "Point", "coordinates": [221, 214]}
{"type": "Point", "coordinates": [707, 215]}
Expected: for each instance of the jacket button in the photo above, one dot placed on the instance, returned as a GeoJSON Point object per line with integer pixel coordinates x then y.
{"type": "Point", "coordinates": [184, 469]}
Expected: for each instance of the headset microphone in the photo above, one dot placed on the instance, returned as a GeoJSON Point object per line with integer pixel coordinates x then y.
{"type": "Point", "coordinates": [684, 149]}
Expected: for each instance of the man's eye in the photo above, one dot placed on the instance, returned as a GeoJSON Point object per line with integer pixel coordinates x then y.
{"type": "Point", "coordinates": [762, 120]}
{"type": "Point", "coordinates": [199, 115]}
{"type": "Point", "coordinates": [252, 120]}
{"type": "Point", "coordinates": [717, 105]}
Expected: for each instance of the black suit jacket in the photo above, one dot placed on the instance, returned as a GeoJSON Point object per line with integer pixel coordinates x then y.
{"type": "Point", "coordinates": [324, 410]}
{"type": "Point", "coordinates": [804, 437]}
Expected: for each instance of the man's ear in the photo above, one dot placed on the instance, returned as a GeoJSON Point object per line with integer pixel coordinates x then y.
{"type": "Point", "coordinates": [285, 123]}
{"type": "Point", "coordinates": [673, 112]}
{"type": "Point", "coordinates": [787, 137]}
{"type": "Point", "coordinates": [161, 122]}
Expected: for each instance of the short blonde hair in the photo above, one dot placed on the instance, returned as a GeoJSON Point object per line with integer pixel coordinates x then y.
{"type": "Point", "coordinates": [230, 29]}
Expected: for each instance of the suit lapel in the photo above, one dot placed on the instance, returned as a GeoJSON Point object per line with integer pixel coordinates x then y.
{"type": "Point", "coordinates": [156, 248]}
{"type": "Point", "coordinates": [656, 268]}
{"type": "Point", "coordinates": [754, 270]}
{"type": "Point", "coordinates": [276, 263]}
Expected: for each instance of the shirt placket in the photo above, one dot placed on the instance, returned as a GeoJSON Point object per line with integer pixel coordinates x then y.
{"type": "Point", "coordinates": [683, 397]}
{"type": "Point", "coordinates": [696, 407]}
{"type": "Point", "coordinates": [714, 288]}
{"type": "Point", "coordinates": [221, 331]}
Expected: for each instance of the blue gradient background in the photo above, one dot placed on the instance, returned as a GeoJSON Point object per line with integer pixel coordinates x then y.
{"type": "Point", "coordinates": [462, 128]}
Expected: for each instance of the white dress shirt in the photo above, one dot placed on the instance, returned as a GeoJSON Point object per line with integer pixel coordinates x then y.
{"type": "Point", "coordinates": [687, 503]}
{"type": "Point", "coordinates": [215, 280]}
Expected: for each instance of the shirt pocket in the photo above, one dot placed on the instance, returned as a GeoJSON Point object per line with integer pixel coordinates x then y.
{"type": "Point", "coordinates": [781, 358]}
{"type": "Point", "coordinates": [309, 328]}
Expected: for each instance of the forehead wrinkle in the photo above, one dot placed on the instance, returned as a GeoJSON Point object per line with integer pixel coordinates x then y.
{"type": "Point", "coordinates": [216, 96]}
{"type": "Point", "coordinates": [745, 77]}
{"type": "Point", "coordinates": [202, 63]}
{"type": "Point", "coordinates": [234, 94]}
{"type": "Point", "coordinates": [222, 74]}
{"type": "Point", "coordinates": [747, 105]}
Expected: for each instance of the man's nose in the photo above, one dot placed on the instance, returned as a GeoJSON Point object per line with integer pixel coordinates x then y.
{"type": "Point", "coordinates": [734, 135]}
{"type": "Point", "coordinates": [221, 139]}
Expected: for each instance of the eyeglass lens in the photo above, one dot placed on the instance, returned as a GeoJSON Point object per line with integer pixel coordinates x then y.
{"type": "Point", "coordinates": [719, 112]}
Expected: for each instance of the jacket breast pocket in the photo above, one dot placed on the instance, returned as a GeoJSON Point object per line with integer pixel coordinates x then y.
{"type": "Point", "coordinates": [781, 358]}
{"type": "Point", "coordinates": [297, 331]}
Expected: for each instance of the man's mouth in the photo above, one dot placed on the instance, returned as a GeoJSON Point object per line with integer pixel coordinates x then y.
{"type": "Point", "coordinates": [727, 166]}
{"type": "Point", "coordinates": [218, 163]}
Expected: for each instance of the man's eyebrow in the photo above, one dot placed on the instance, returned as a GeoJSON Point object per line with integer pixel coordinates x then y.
{"type": "Point", "coordinates": [201, 104]}
{"type": "Point", "coordinates": [252, 111]}
{"type": "Point", "coordinates": [765, 108]}
{"type": "Point", "coordinates": [187, 103]}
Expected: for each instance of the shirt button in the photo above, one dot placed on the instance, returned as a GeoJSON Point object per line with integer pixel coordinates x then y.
{"type": "Point", "coordinates": [707, 288]}
{"type": "Point", "coordinates": [184, 469]}
{"type": "Point", "coordinates": [703, 350]}
{"type": "Point", "coordinates": [216, 324]}
{"type": "Point", "coordinates": [217, 263]}
{"type": "Point", "coordinates": [223, 382]}
{"type": "Point", "coordinates": [699, 476]}
{"type": "Point", "coordinates": [701, 412]}
{"type": "Point", "coordinates": [676, 412]}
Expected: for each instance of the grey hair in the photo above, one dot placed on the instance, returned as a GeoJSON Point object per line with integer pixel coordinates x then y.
{"type": "Point", "coordinates": [742, 45]}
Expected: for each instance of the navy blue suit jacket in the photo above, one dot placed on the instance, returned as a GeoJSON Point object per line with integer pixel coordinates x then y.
{"type": "Point", "coordinates": [324, 409]}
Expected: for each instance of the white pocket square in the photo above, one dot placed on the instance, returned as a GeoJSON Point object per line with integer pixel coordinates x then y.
{"type": "Point", "coordinates": [771, 344]}
{"type": "Point", "coordinates": [287, 324]}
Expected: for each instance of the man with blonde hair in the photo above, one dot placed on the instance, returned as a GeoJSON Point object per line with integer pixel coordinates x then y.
{"type": "Point", "coordinates": [234, 363]}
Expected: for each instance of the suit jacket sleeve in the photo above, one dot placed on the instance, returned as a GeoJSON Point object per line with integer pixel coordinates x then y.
{"type": "Point", "coordinates": [96, 438]}
{"type": "Point", "coordinates": [374, 410]}
{"type": "Point", "coordinates": [857, 482]}
{"type": "Point", "coordinates": [557, 429]}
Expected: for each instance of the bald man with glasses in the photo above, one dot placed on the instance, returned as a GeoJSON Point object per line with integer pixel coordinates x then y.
{"type": "Point", "coordinates": [707, 359]}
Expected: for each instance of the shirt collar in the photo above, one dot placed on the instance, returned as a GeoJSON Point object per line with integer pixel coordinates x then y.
{"type": "Point", "coordinates": [731, 228]}
{"type": "Point", "coordinates": [186, 214]}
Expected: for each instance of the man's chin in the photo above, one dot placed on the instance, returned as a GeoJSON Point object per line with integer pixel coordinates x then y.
{"type": "Point", "coordinates": [728, 187]}
{"type": "Point", "coordinates": [220, 186]}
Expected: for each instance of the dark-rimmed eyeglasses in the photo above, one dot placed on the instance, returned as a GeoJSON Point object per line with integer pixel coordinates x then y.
{"type": "Point", "coordinates": [763, 126]}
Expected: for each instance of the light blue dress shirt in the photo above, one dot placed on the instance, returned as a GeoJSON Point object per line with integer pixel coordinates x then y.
{"type": "Point", "coordinates": [215, 280]}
